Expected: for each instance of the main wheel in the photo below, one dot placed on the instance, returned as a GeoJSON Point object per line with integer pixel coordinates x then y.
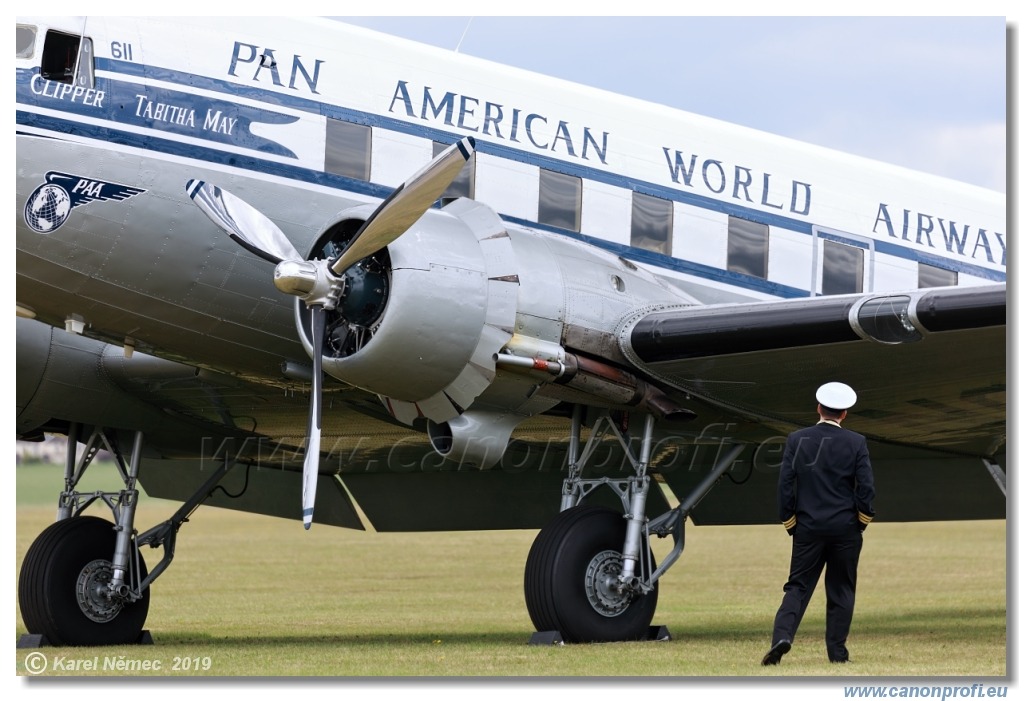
{"type": "Point", "coordinates": [64, 574]}
{"type": "Point", "coordinates": [570, 571]}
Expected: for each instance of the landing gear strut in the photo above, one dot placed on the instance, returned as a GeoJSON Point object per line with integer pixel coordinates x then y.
{"type": "Point", "coordinates": [65, 587]}
{"type": "Point", "coordinates": [572, 580]}
{"type": "Point", "coordinates": [83, 580]}
{"type": "Point", "coordinates": [590, 575]}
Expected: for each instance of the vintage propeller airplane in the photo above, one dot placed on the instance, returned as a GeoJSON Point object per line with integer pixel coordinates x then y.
{"type": "Point", "coordinates": [227, 277]}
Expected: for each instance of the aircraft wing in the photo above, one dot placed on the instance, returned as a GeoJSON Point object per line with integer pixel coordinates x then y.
{"type": "Point", "coordinates": [929, 368]}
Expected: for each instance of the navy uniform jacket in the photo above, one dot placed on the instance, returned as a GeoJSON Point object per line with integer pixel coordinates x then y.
{"type": "Point", "coordinates": [826, 486]}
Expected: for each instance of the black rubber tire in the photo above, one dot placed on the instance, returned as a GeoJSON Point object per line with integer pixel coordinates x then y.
{"type": "Point", "coordinates": [48, 581]}
{"type": "Point", "coordinates": [556, 570]}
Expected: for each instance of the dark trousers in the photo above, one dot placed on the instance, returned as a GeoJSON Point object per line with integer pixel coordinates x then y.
{"type": "Point", "coordinates": [838, 556]}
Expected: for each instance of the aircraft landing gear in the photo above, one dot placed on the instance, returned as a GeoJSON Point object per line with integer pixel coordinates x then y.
{"type": "Point", "coordinates": [588, 571]}
{"type": "Point", "coordinates": [572, 583]}
{"type": "Point", "coordinates": [83, 580]}
{"type": "Point", "coordinates": [590, 575]}
{"type": "Point", "coordinates": [64, 588]}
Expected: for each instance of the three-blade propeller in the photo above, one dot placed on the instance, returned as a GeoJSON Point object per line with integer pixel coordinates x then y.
{"type": "Point", "coordinates": [320, 284]}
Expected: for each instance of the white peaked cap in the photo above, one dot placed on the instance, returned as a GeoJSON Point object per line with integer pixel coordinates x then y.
{"type": "Point", "coordinates": [836, 395]}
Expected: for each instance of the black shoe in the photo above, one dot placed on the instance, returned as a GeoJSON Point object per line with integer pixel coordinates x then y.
{"type": "Point", "coordinates": [839, 655]}
{"type": "Point", "coordinates": [774, 655]}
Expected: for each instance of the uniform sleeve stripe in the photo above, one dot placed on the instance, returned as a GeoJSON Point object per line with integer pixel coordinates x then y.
{"type": "Point", "coordinates": [864, 518]}
{"type": "Point", "coordinates": [790, 522]}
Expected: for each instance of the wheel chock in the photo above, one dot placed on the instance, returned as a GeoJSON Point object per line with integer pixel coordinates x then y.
{"type": "Point", "coordinates": [554, 637]}
{"type": "Point", "coordinates": [658, 633]}
{"type": "Point", "coordinates": [36, 640]}
{"type": "Point", "coordinates": [547, 637]}
{"type": "Point", "coordinates": [32, 640]}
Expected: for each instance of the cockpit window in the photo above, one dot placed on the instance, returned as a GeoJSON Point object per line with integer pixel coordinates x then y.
{"type": "Point", "coordinates": [60, 54]}
{"type": "Point", "coordinates": [67, 58]}
{"type": "Point", "coordinates": [26, 41]}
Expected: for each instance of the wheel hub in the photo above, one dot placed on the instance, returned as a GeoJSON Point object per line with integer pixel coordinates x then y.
{"type": "Point", "coordinates": [604, 590]}
{"type": "Point", "coordinates": [95, 599]}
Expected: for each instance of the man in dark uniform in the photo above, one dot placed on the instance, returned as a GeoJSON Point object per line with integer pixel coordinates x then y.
{"type": "Point", "coordinates": [826, 490]}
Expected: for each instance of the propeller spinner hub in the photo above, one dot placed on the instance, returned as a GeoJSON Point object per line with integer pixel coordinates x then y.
{"type": "Point", "coordinates": [295, 277]}
{"type": "Point", "coordinates": [309, 280]}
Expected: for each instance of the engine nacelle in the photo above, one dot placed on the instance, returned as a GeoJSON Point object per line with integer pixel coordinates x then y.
{"type": "Point", "coordinates": [434, 314]}
{"type": "Point", "coordinates": [438, 306]}
{"type": "Point", "coordinates": [65, 378]}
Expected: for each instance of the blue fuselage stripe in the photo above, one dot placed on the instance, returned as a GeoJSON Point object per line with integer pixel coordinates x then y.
{"type": "Point", "coordinates": [215, 155]}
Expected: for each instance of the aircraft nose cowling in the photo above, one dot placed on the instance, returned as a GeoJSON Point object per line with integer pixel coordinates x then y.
{"type": "Point", "coordinates": [420, 325]}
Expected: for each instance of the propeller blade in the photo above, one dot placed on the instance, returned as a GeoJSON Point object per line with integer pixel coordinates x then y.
{"type": "Point", "coordinates": [242, 222]}
{"type": "Point", "coordinates": [311, 464]}
{"type": "Point", "coordinates": [406, 204]}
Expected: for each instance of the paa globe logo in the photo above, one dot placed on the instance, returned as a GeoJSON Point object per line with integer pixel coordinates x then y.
{"type": "Point", "coordinates": [47, 208]}
{"type": "Point", "coordinates": [50, 204]}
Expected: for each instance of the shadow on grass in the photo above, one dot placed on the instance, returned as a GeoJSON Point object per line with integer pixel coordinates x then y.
{"type": "Point", "coordinates": [935, 622]}
{"type": "Point", "coordinates": [955, 622]}
{"type": "Point", "coordinates": [169, 638]}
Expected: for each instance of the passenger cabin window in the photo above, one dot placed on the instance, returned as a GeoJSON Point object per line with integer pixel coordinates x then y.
{"type": "Point", "coordinates": [561, 198]}
{"type": "Point", "coordinates": [842, 269]}
{"type": "Point", "coordinates": [348, 149]}
{"type": "Point", "coordinates": [748, 248]}
{"type": "Point", "coordinates": [651, 226]}
{"type": "Point", "coordinates": [25, 42]}
{"type": "Point", "coordinates": [931, 276]}
{"type": "Point", "coordinates": [67, 58]}
{"type": "Point", "coordinates": [464, 184]}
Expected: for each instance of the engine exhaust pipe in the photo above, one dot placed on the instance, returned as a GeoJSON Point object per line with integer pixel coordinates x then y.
{"type": "Point", "coordinates": [605, 382]}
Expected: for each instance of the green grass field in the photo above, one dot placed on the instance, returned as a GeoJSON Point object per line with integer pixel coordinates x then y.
{"type": "Point", "coordinates": [257, 596]}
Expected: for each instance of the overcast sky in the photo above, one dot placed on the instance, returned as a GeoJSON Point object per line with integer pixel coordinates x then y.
{"type": "Point", "coordinates": [922, 92]}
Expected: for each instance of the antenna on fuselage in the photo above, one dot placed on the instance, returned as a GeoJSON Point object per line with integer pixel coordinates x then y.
{"type": "Point", "coordinates": [464, 33]}
{"type": "Point", "coordinates": [78, 59]}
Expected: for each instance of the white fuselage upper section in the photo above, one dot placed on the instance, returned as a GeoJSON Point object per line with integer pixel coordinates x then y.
{"type": "Point", "coordinates": [257, 97]}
